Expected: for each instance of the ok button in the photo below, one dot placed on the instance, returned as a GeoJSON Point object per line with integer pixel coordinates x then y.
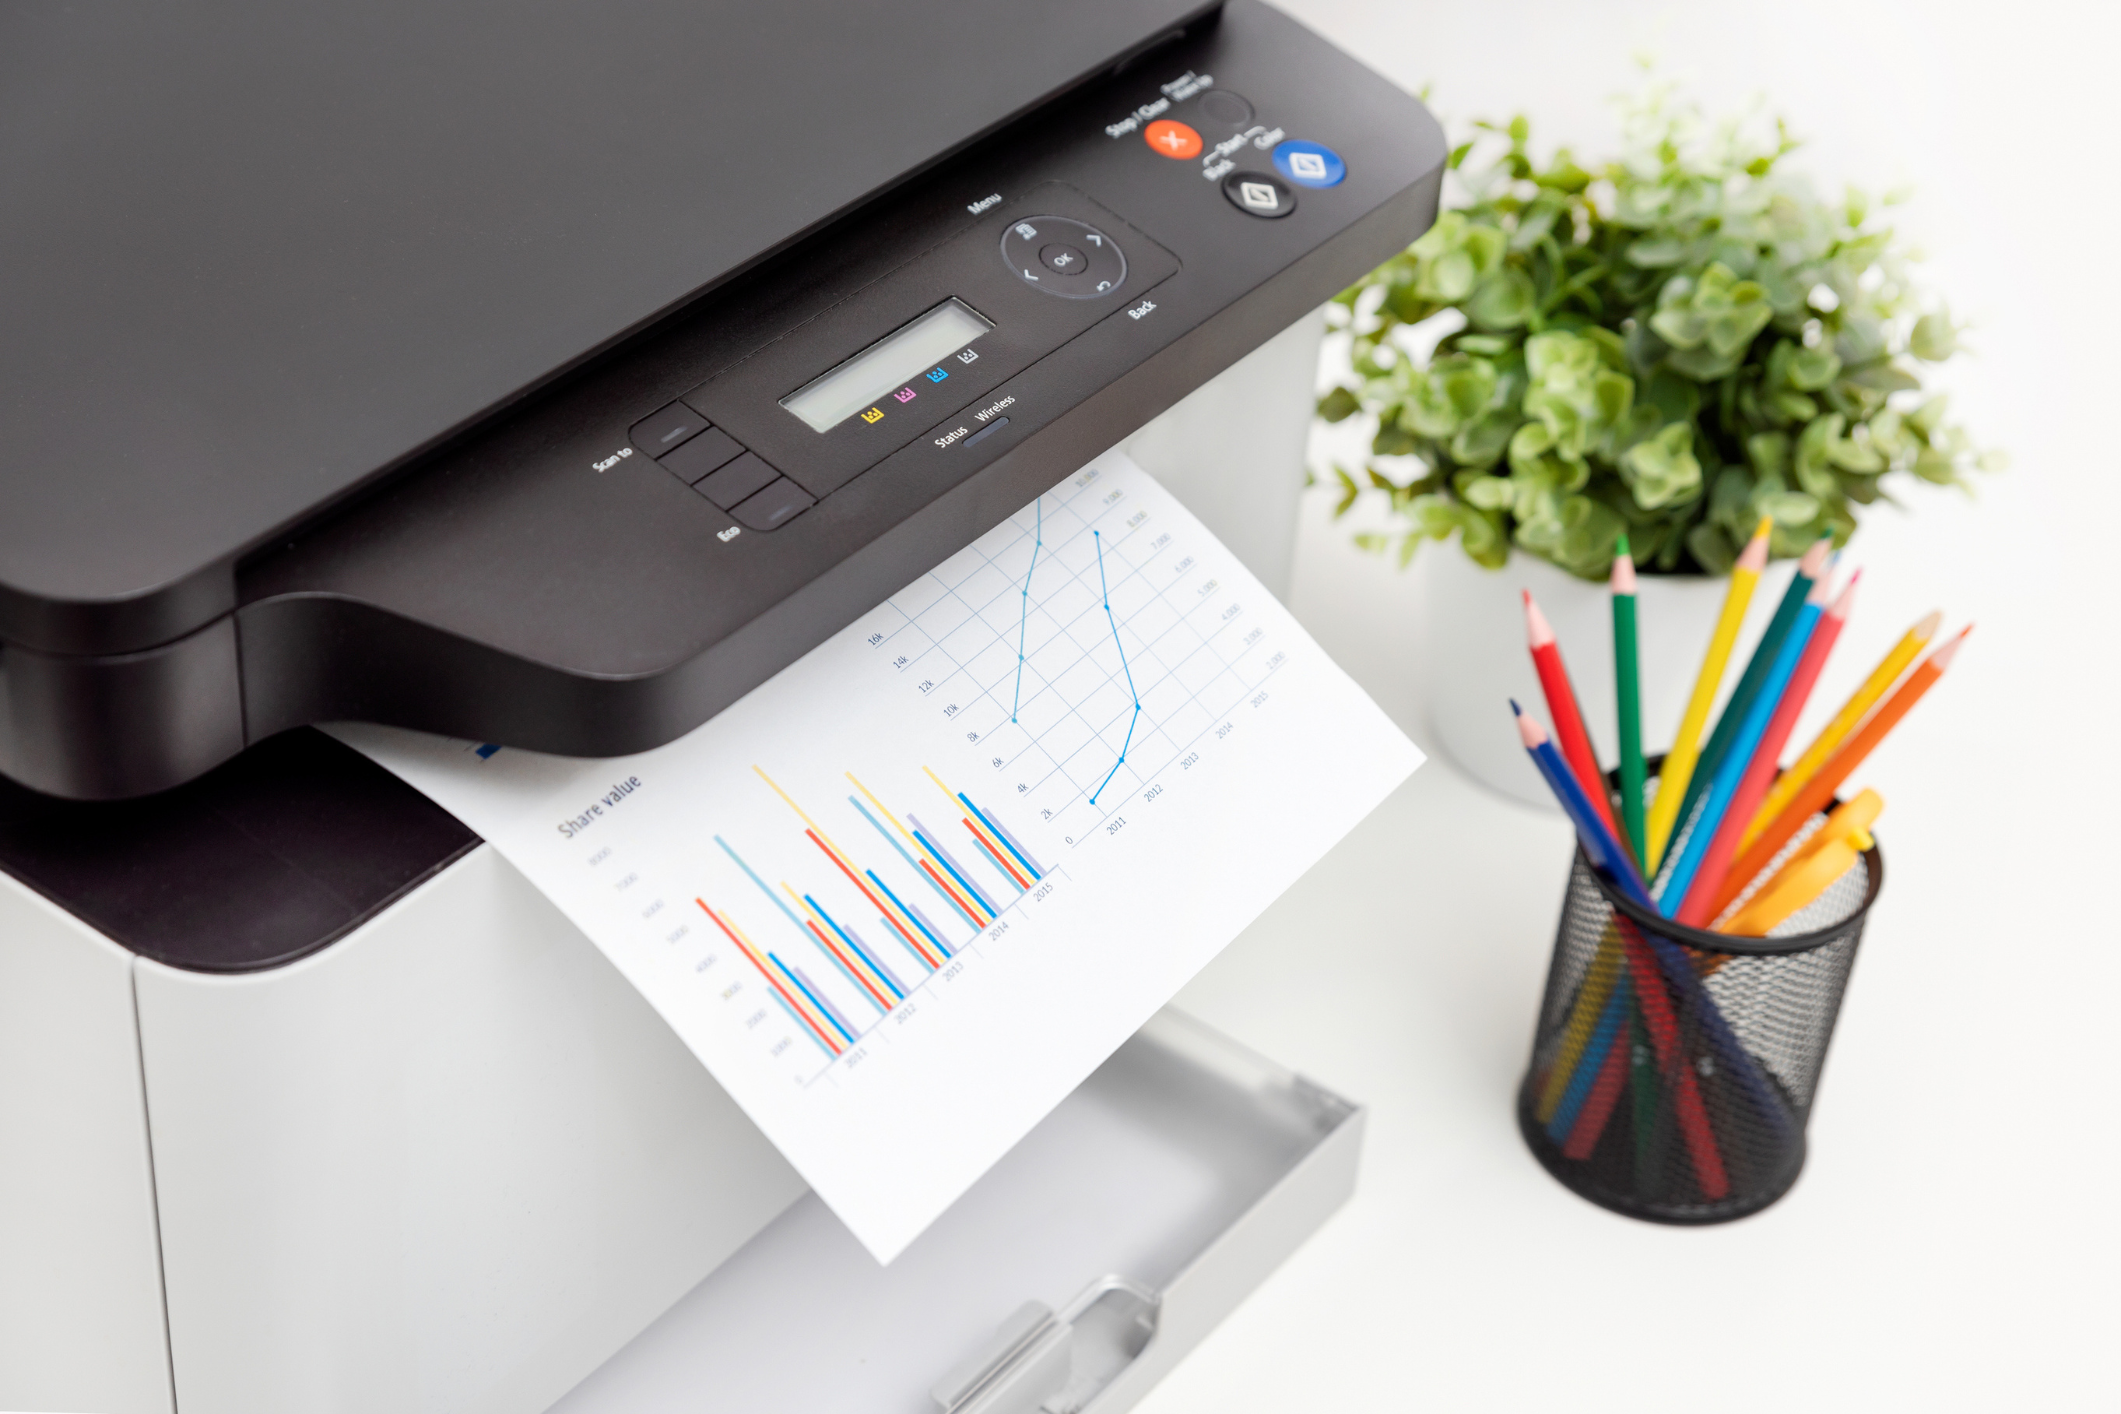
{"type": "Point", "coordinates": [1063, 259]}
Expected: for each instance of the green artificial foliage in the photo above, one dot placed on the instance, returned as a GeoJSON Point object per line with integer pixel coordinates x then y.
{"type": "Point", "coordinates": [1669, 348]}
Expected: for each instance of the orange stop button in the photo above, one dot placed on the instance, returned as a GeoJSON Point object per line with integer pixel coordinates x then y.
{"type": "Point", "coordinates": [1172, 139]}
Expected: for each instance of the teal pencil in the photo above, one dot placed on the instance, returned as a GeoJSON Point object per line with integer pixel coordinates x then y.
{"type": "Point", "coordinates": [1808, 569]}
{"type": "Point", "coordinates": [1627, 685]}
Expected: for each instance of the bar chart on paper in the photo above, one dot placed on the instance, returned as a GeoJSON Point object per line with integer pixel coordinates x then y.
{"type": "Point", "coordinates": [1080, 662]}
{"type": "Point", "coordinates": [830, 973]}
{"type": "Point", "coordinates": [905, 896]}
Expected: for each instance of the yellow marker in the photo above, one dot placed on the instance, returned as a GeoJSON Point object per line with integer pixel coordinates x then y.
{"type": "Point", "coordinates": [1795, 886]}
{"type": "Point", "coordinates": [1686, 749]}
{"type": "Point", "coordinates": [1850, 820]}
{"type": "Point", "coordinates": [1845, 721]}
{"type": "Point", "coordinates": [1818, 862]}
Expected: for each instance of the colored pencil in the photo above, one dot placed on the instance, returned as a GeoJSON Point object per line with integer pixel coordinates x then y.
{"type": "Point", "coordinates": [1612, 1020]}
{"type": "Point", "coordinates": [1627, 694]}
{"type": "Point", "coordinates": [1598, 980]}
{"type": "Point", "coordinates": [1604, 1093]}
{"type": "Point", "coordinates": [1648, 954]}
{"type": "Point", "coordinates": [1642, 1095]}
{"type": "Point", "coordinates": [1678, 769]}
{"type": "Point", "coordinates": [1598, 839]}
{"type": "Point", "coordinates": [1760, 770]}
{"type": "Point", "coordinates": [1756, 670]}
{"type": "Point", "coordinates": [1820, 788]}
{"type": "Point", "coordinates": [1738, 755]}
{"type": "Point", "coordinates": [1845, 721]}
{"type": "Point", "coordinates": [1569, 728]}
{"type": "Point", "coordinates": [1707, 1159]}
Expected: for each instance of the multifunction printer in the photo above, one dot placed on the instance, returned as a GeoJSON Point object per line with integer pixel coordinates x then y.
{"type": "Point", "coordinates": [551, 376]}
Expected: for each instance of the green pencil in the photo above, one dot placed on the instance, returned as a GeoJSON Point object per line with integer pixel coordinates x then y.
{"type": "Point", "coordinates": [1627, 682]}
{"type": "Point", "coordinates": [1643, 1091]}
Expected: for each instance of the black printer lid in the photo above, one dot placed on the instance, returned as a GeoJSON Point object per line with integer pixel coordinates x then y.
{"type": "Point", "coordinates": [254, 252]}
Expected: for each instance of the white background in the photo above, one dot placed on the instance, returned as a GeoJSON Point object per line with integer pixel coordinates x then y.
{"type": "Point", "coordinates": [1952, 1243]}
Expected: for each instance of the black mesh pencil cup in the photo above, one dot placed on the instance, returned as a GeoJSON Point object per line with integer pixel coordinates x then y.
{"type": "Point", "coordinates": [1673, 1070]}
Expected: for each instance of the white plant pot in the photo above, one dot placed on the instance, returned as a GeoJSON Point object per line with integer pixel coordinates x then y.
{"type": "Point", "coordinates": [1471, 641]}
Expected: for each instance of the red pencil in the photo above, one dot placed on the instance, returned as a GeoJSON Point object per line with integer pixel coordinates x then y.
{"type": "Point", "coordinates": [1760, 771]}
{"type": "Point", "coordinates": [1821, 787]}
{"type": "Point", "coordinates": [1605, 1093]}
{"type": "Point", "coordinates": [1569, 732]}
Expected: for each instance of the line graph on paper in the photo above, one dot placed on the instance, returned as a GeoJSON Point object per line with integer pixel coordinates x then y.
{"type": "Point", "coordinates": [1071, 671]}
{"type": "Point", "coordinates": [1088, 655]}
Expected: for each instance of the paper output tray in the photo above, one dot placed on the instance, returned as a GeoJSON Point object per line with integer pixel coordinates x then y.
{"type": "Point", "coordinates": [1087, 1263]}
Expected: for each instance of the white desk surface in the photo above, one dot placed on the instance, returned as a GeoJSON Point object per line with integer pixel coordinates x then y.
{"type": "Point", "coordinates": [1952, 1244]}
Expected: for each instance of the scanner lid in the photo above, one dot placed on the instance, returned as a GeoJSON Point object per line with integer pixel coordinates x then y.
{"type": "Point", "coordinates": [253, 253]}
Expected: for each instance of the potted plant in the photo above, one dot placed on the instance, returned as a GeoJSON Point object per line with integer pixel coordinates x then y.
{"type": "Point", "coordinates": [1671, 345]}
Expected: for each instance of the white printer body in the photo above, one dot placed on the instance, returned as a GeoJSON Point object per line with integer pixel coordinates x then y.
{"type": "Point", "coordinates": [451, 1163]}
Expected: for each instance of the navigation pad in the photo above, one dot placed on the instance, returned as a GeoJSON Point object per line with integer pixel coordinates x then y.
{"type": "Point", "coordinates": [1064, 257]}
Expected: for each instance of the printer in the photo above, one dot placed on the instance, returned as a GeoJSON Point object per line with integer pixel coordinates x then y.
{"type": "Point", "coordinates": [551, 376]}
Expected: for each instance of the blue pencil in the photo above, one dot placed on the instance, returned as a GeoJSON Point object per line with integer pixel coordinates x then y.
{"type": "Point", "coordinates": [1612, 1020]}
{"type": "Point", "coordinates": [1730, 771]}
{"type": "Point", "coordinates": [1607, 856]}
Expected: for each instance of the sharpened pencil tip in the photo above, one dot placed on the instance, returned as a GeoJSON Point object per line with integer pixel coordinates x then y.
{"type": "Point", "coordinates": [1515, 710]}
{"type": "Point", "coordinates": [1815, 559]}
{"type": "Point", "coordinates": [1927, 629]}
{"type": "Point", "coordinates": [1942, 658]}
{"type": "Point", "coordinates": [1754, 556]}
{"type": "Point", "coordinates": [1846, 599]}
{"type": "Point", "coordinates": [1538, 632]}
{"type": "Point", "coordinates": [1623, 569]}
{"type": "Point", "coordinates": [1529, 733]}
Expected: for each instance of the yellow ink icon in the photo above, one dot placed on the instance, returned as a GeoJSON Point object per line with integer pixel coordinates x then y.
{"type": "Point", "coordinates": [873, 415]}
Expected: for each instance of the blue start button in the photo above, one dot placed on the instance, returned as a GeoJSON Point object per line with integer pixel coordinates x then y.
{"type": "Point", "coordinates": [1310, 164]}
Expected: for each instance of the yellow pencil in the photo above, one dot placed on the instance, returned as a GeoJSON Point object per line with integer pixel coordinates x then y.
{"type": "Point", "coordinates": [1797, 885]}
{"type": "Point", "coordinates": [1590, 1001]}
{"type": "Point", "coordinates": [1686, 749]}
{"type": "Point", "coordinates": [1845, 721]}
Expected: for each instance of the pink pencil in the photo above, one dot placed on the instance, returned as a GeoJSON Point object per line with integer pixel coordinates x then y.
{"type": "Point", "coordinates": [1760, 773]}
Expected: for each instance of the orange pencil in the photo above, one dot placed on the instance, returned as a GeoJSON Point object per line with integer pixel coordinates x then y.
{"type": "Point", "coordinates": [1820, 789]}
{"type": "Point", "coordinates": [1845, 721]}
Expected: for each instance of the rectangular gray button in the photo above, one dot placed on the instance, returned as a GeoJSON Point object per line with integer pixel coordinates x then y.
{"type": "Point", "coordinates": [741, 478]}
{"type": "Point", "coordinates": [702, 454]}
{"type": "Point", "coordinates": [774, 505]}
{"type": "Point", "coordinates": [662, 430]}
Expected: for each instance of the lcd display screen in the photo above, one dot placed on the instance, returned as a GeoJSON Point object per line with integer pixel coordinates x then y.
{"type": "Point", "coordinates": [887, 366]}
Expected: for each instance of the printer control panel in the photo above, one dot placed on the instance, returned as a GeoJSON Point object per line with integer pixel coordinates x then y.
{"type": "Point", "coordinates": [602, 566]}
{"type": "Point", "coordinates": [911, 354]}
